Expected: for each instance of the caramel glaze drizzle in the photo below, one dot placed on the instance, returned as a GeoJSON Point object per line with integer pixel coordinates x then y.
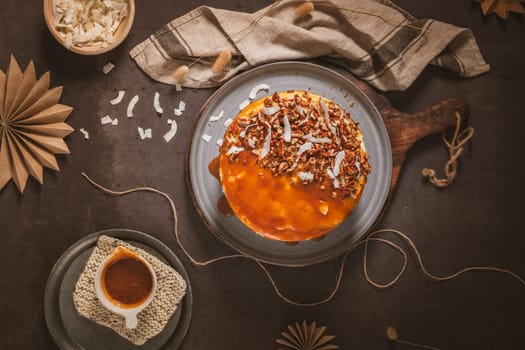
{"type": "Point", "coordinates": [222, 203]}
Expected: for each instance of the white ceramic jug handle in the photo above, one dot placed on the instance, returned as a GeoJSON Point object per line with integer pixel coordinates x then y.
{"type": "Point", "coordinates": [131, 321]}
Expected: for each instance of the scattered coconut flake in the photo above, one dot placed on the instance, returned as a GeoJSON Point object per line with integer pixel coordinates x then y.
{"type": "Point", "coordinates": [106, 120]}
{"type": "Point", "coordinates": [177, 112]}
{"type": "Point", "coordinates": [214, 118]}
{"type": "Point", "coordinates": [178, 87]}
{"type": "Point", "coordinates": [324, 107]}
{"type": "Point", "coordinates": [256, 89]}
{"type": "Point", "coordinates": [251, 143]}
{"type": "Point", "coordinates": [338, 159]}
{"type": "Point", "coordinates": [114, 121]}
{"type": "Point", "coordinates": [219, 142]}
{"type": "Point", "coordinates": [244, 104]}
{"type": "Point", "coordinates": [119, 98]}
{"type": "Point", "coordinates": [271, 110]}
{"type": "Point", "coordinates": [171, 133]}
{"type": "Point", "coordinates": [287, 130]}
{"type": "Point", "coordinates": [147, 133]}
{"type": "Point", "coordinates": [170, 121]}
{"type": "Point", "coordinates": [84, 133]}
{"type": "Point", "coordinates": [227, 122]}
{"type": "Point", "coordinates": [131, 105]}
{"type": "Point", "coordinates": [267, 140]}
{"type": "Point", "coordinates": [304, 147]}
{"type": "Point", "coordinates": [243, 132]}
{"type": "Point", "coordinates": [156, 103]}
{"type": "Point", "coordinates": [234, 149]}
{"type": "Point", "coordinates": [206, 137]}
{"type": "Point", "coordinates": [335, 181]}
{"type": "Point", "coordinates": [306, 176]}
{"type": "Point", "coordinates": [300, 109]}
{"type": "Point", "coordinates": [358, 166]}
{"type": "Point", "coordinates": [305, 119]}
{"type": "Point", "coordinates": [141, 133]}
{"type": "Point", "coordinates": [108, 67]}
{"type": "Point", "coordinates": [182, 106]}
{"type": "Point", "coordinates": [313, 139]}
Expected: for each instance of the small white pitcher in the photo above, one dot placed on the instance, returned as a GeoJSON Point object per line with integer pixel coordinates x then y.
{"type": "Point", "coordinates": [130, 314]}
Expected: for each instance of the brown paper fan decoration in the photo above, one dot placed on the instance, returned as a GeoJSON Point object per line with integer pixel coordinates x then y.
{"type": "Point", "coordinates": [32, 125]}
{"type": "Point", "coordinates": [306, 337]}
{"type": "Point", "coordinates": [501, 7]}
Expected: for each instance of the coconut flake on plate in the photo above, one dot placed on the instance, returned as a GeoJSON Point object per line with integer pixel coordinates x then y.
{"type": "Point", "coordinates": [156, 103]}
{"type": "Point", "coordinates": [306, 176]}
{"type": "Point", "coordinates": [182, 106]}
{"type": "Point", "coordinates": [214, 118]}
{"type": "Point", "coordinates": [267, 140]}
{"type": "Point", "coordinates": [304, 147]}
{"type": "Point", "coordinates": [338, 159]}
{"type": "Point", "coordinates": [219, 142]}
{"type": "Point", "coordinates": [228, 122]}
{"type": "Point", "coordinates": [114, 122]}
{"type": "Point", "coordinates": [332, 176]}
{"type": "Point", "coordinates": [177, 112]}
{"type": "Point", "coordinates": [287, 129]}
{"type": "Point", "coordinates": [206, 138]}
{"type": "Point", "coordinates": [256, 89]}
{"type": "Point", "coordinates": [324, 107]}
{"type": "Point", "coordinates": [131, 106]}
{"type": "Point", "coordinates": [108, 67]}
{"type": "Point", "coordinates": [178, 87]}
{"type": "Point", "coordinates": [358, 166]}
{"type": "Point", "coordinates": [313, 139]}
{"type": "Point", "coordinates": [243, 132]}
{"type": "Point", "coordinates": [234, 149]}
{"type": "Point", "coordinates": [244, 104]}
{"type": "Point", "coordinates": [271, 110]}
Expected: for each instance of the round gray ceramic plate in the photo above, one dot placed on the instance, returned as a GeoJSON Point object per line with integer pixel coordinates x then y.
{"type": "Point", "coordinates": [206, 190]}
{"type": "Point", "coordinates": [72, 331]}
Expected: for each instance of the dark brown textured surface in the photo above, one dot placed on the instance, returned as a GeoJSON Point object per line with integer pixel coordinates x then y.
{"type": "Point", "coordinates": [478, 221]}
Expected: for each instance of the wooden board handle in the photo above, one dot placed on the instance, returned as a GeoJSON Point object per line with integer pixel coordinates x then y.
{"type": "Point", "coordinates": [406, 129]}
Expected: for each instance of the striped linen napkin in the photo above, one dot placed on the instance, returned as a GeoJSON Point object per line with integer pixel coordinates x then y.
{"type": "Point", "coordinates": [374, 39]}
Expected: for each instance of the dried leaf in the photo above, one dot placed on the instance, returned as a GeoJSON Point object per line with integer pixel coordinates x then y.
{"type": "Point", "coordinates": [501, 7]}
{"type": "Point", "coordinates": [306, 337]}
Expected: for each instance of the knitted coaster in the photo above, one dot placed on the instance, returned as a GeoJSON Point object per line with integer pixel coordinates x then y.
{"type": "Point", "coordinates": [171, 288]}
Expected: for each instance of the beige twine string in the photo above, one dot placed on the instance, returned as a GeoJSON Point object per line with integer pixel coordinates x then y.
{"type": "Point", "coordinates": [455, 149]}
{"type": "Point", "coordinates": [365, 242]}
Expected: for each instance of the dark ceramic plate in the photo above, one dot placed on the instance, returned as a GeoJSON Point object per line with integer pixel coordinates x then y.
{"type": "Point", "coordinates": [72, 331]}
{"type": "Point", "coordinates": [283, 76]}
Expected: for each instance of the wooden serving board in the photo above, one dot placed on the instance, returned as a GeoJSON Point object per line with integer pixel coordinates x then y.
{"type": "Point", "coordinates": [405, 129]}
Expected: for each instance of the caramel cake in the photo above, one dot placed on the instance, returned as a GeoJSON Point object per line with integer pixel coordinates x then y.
{"type": "Point", "coordinates": [293, 166]}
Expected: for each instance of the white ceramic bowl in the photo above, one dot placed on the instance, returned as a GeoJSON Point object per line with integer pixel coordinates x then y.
{"type": "Point", "coordinates": [120, 34]}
